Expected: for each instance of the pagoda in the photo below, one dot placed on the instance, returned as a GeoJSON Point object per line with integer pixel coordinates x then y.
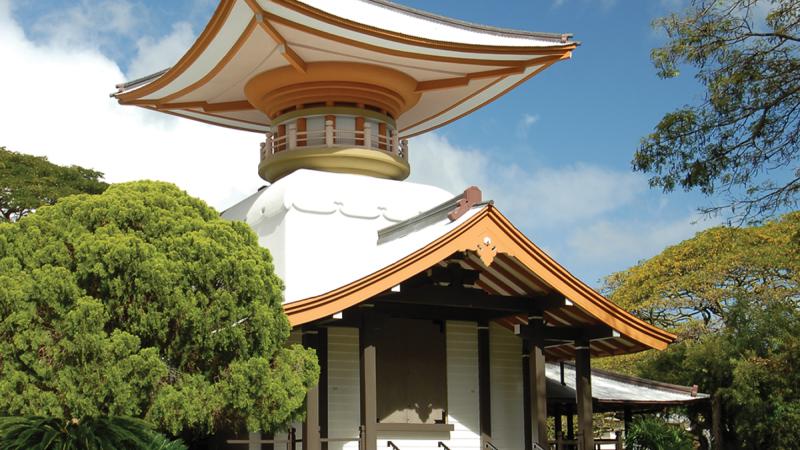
{"type": "Point", "coordinates": [431, 314]}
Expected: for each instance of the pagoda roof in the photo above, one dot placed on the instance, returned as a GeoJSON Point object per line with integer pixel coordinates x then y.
{"type": "Point", "coordinates": [456, 66]}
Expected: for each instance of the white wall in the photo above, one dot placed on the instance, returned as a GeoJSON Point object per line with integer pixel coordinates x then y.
{"type": "Point", "coordinates": [462, 385]}
{"type": "Point", "coordinates": [344, 404]}
{"type": "Point", "coordinates": [505, 358]}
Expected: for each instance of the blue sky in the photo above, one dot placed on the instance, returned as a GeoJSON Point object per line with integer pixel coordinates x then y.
{"type": "Point", "coordinates": [554, 153]}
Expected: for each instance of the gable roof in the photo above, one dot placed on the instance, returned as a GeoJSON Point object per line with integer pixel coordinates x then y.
{"type": "Point", "coordinates": [508, 261]}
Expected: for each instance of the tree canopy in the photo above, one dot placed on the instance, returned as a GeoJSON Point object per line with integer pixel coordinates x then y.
{"type": "Point", "coordinates": [28, 182]}
{"type": "Point", "coordinates": [733, 297]}
{"type": "Point", "coordinates": [743, 140]}
{"type": "Point", "coordinates": [142, 302]}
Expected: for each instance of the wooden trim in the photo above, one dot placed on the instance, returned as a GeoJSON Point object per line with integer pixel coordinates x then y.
{"type": "Point", "coordinates": [415, 427]}
{"type": "Point", "coordinates": [218, 19]}
{"type": "Point", "coordinates": [294, 59]}
{"type": "Point", "coordinates": [177, 114]}
{"type": "Point", "coordinates": [415, 40]}
{"type": "Point", "coordinates": [527, 419]}
{"type": "Point", "coordinates": [405, 54]}
{"type": "Point", "coordinates": [469, 236]}
{"type": "Point", "coordinates": [432, 85]}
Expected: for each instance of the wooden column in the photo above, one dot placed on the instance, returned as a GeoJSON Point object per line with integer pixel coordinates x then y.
{"type": "Point", "coordinates": [557, 429]}
{"type": "Point", "coordinates": [627, 417]}
{"type": "Point", "coordinates": [369, 386]}
{"type": "Point", "coordinates": [484, 385]}
{"type": "Point", "coordinates": [527, 420]}
{"type": "Point", "coordinates": [311, 436]}
{"type": "Point", "coordinates": [302, 129]}
{"type": "Point", "coordinates": [359, 131]}
{"type": "Point", "coordinates": [717, 442]}
{"type": "Point", "coordinates": [570, 423]}
{"type": "Point", "coordinates": [583, 381]}
{"type": "Point", "coordinates": [538, 383]}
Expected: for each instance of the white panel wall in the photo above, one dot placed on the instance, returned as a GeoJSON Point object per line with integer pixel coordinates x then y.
{"type": "Point", "coordinates": [344, 404]}
{"type": "Point", "coordinates": [462, 385]}
{"type": "Point", "coordinates": [506, 385]}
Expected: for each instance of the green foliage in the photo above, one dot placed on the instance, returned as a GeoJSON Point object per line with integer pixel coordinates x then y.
{"type": "Point", "coordinates": [733, 295]}
{"type": "Point", "coordinates": [28, 182]}
{"type": "Point", "coordinates": [743, 139]}
{"type": "Point", "coordinates": [653, 433]}
{"type": "Point", "coordinates": [142, 302]}
{"type": "Point", "coordinates": [91, 433]}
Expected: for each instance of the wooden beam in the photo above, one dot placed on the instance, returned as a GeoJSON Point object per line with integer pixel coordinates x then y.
{"type": "Point", "coordinates": [583, 375]}
{"type": "Point", "coordinates": [566, 333]}
{"type": "Point", "coordinates": [484, 384]}
{"type": "Point", "coordinates": [293, 58]}
{"type": "Point", "coordinates": [369, 386]}
{"type": "Point", "coordinates": [473, 299]}
{"type": "Point", "coordinates": [311, 436]}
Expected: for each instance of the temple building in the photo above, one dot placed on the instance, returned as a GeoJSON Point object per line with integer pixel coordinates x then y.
{"type": "Point", "coordinates": [432, 315]}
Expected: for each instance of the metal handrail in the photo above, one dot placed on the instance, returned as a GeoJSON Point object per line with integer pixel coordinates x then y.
{"type": "Point", "coordinates": [441, 445]}
{"type": "Point", "coordinates": [488, 444]}
{"type": "Point", "coordinates": [391, 444]}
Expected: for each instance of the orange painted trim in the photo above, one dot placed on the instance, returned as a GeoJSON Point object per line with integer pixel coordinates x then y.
{"type": "Point", "coordinates": [504, 92]}
{"type": "Point", "coordinates": [251, 26]}
{"type": "Point", "coordinates": [331, 19]}
{"type": "Point", "coordinates": [445, 83]}
{"type": "Point", "coordinates": [294, 59]}
{"type": "Point", "coordinates": [399, 53]}
{"type": "Point", "coordinates": [209, 122]}
{"type": "Point", "coordinates": [241, 105]}
{"type": "Point", "coordinates": [214, 25]}
{"type": "Point", "coordinates": [470, 235]}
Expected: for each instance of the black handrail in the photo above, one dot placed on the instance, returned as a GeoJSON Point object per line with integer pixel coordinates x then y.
{"type": "Point", "coordinates": [391, 444]}
{"type": "Point", "coordinates": [490, 445]}
{"type": "Point", "coordinates": [441, 445]}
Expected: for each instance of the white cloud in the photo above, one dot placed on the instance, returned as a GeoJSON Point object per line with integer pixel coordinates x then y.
{"type": "Point", "coordinates": [618, 241]}
{"type": "Point", "coordinates": [524, 124]}
{"type": "Point", "coordinates": [542, 198]}
{"type": "Point", "coordinates": [55, 103]}
{"type": "Point", "coordinates": [157, 54]}
{"type": "Point", "coordinates": [89, 22]}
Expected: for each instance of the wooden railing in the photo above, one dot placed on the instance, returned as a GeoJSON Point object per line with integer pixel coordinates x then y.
{"type": "Point", "coordinates": [571, 444]}
{"type": "Point", "coordinates": [332, 137]}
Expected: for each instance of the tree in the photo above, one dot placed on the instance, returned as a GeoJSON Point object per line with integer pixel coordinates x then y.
{"type": "Point", "coordinates": [142, 302]}
{"type": "Point", "coordinates": [743, 140]}
{"type": "Point", "coordinates": [28, 182]}
{"type": "Point", "coordinates": [654, 433]}
{"type": "Point", "coordinates": [733, 296]}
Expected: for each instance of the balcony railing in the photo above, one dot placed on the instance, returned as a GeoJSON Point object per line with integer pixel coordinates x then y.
{"type": "Point", "coordinates": [331, 137]}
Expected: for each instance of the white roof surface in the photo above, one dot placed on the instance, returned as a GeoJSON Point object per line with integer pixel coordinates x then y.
{"type": "Point", "coordinates": [322, 228]}
{"type": "Point", "coordinates": [609, 387]}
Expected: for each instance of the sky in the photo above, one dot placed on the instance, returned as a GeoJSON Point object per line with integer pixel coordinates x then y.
{"type": "Point", "coordinates": [554, 154]}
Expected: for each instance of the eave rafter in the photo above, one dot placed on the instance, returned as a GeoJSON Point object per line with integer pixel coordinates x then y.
{"type": "Point", "coordinates": [286, 51]}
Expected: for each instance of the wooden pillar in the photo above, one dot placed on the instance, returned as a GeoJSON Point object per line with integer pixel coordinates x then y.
{"type": "Point", "coordinates": [311, 436]}
{"type": "Point", "coordinates": [583, 382]}
{"type": "Point", "coordinates": [484, 384]}
{"type": "Point", "coordinates": [570, 424]}
{"type": "Point", "coordinates": [627, 416]}
{"type": "Point", "coordinates": [382, 140]}
{"type": "Point", "coordinates": [302, 130]}
{"type": "Point", "coordinates": [527, 420]}
{"type": "Point", "coordinates": [559, 432]}
{"type": "Point", "coordinates": [369, 387]}
{"type": "Point", "coordinates": [359, 131]}
{"type": "Point", "coordinates": [538, 383]}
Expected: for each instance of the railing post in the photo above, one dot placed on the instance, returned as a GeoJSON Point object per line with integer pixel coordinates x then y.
{"type": "Point", "coordinates": [368, 135]}
{"type": "Point", "coordinates": [619, 440]}
{"type": "Point", "coordinates": [266, 147]}
{"type": "Point", "coordinates": [292, 136]}
{"type": "Point", "coordinates": [329, 133]}
{"type": "Point", "coordinates": [404, 146]}
{"type": "Point", "coordinates": [395, 142]}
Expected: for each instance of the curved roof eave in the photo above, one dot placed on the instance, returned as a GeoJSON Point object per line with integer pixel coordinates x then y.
{"type": "Point", "coordinates": [488, 225]}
